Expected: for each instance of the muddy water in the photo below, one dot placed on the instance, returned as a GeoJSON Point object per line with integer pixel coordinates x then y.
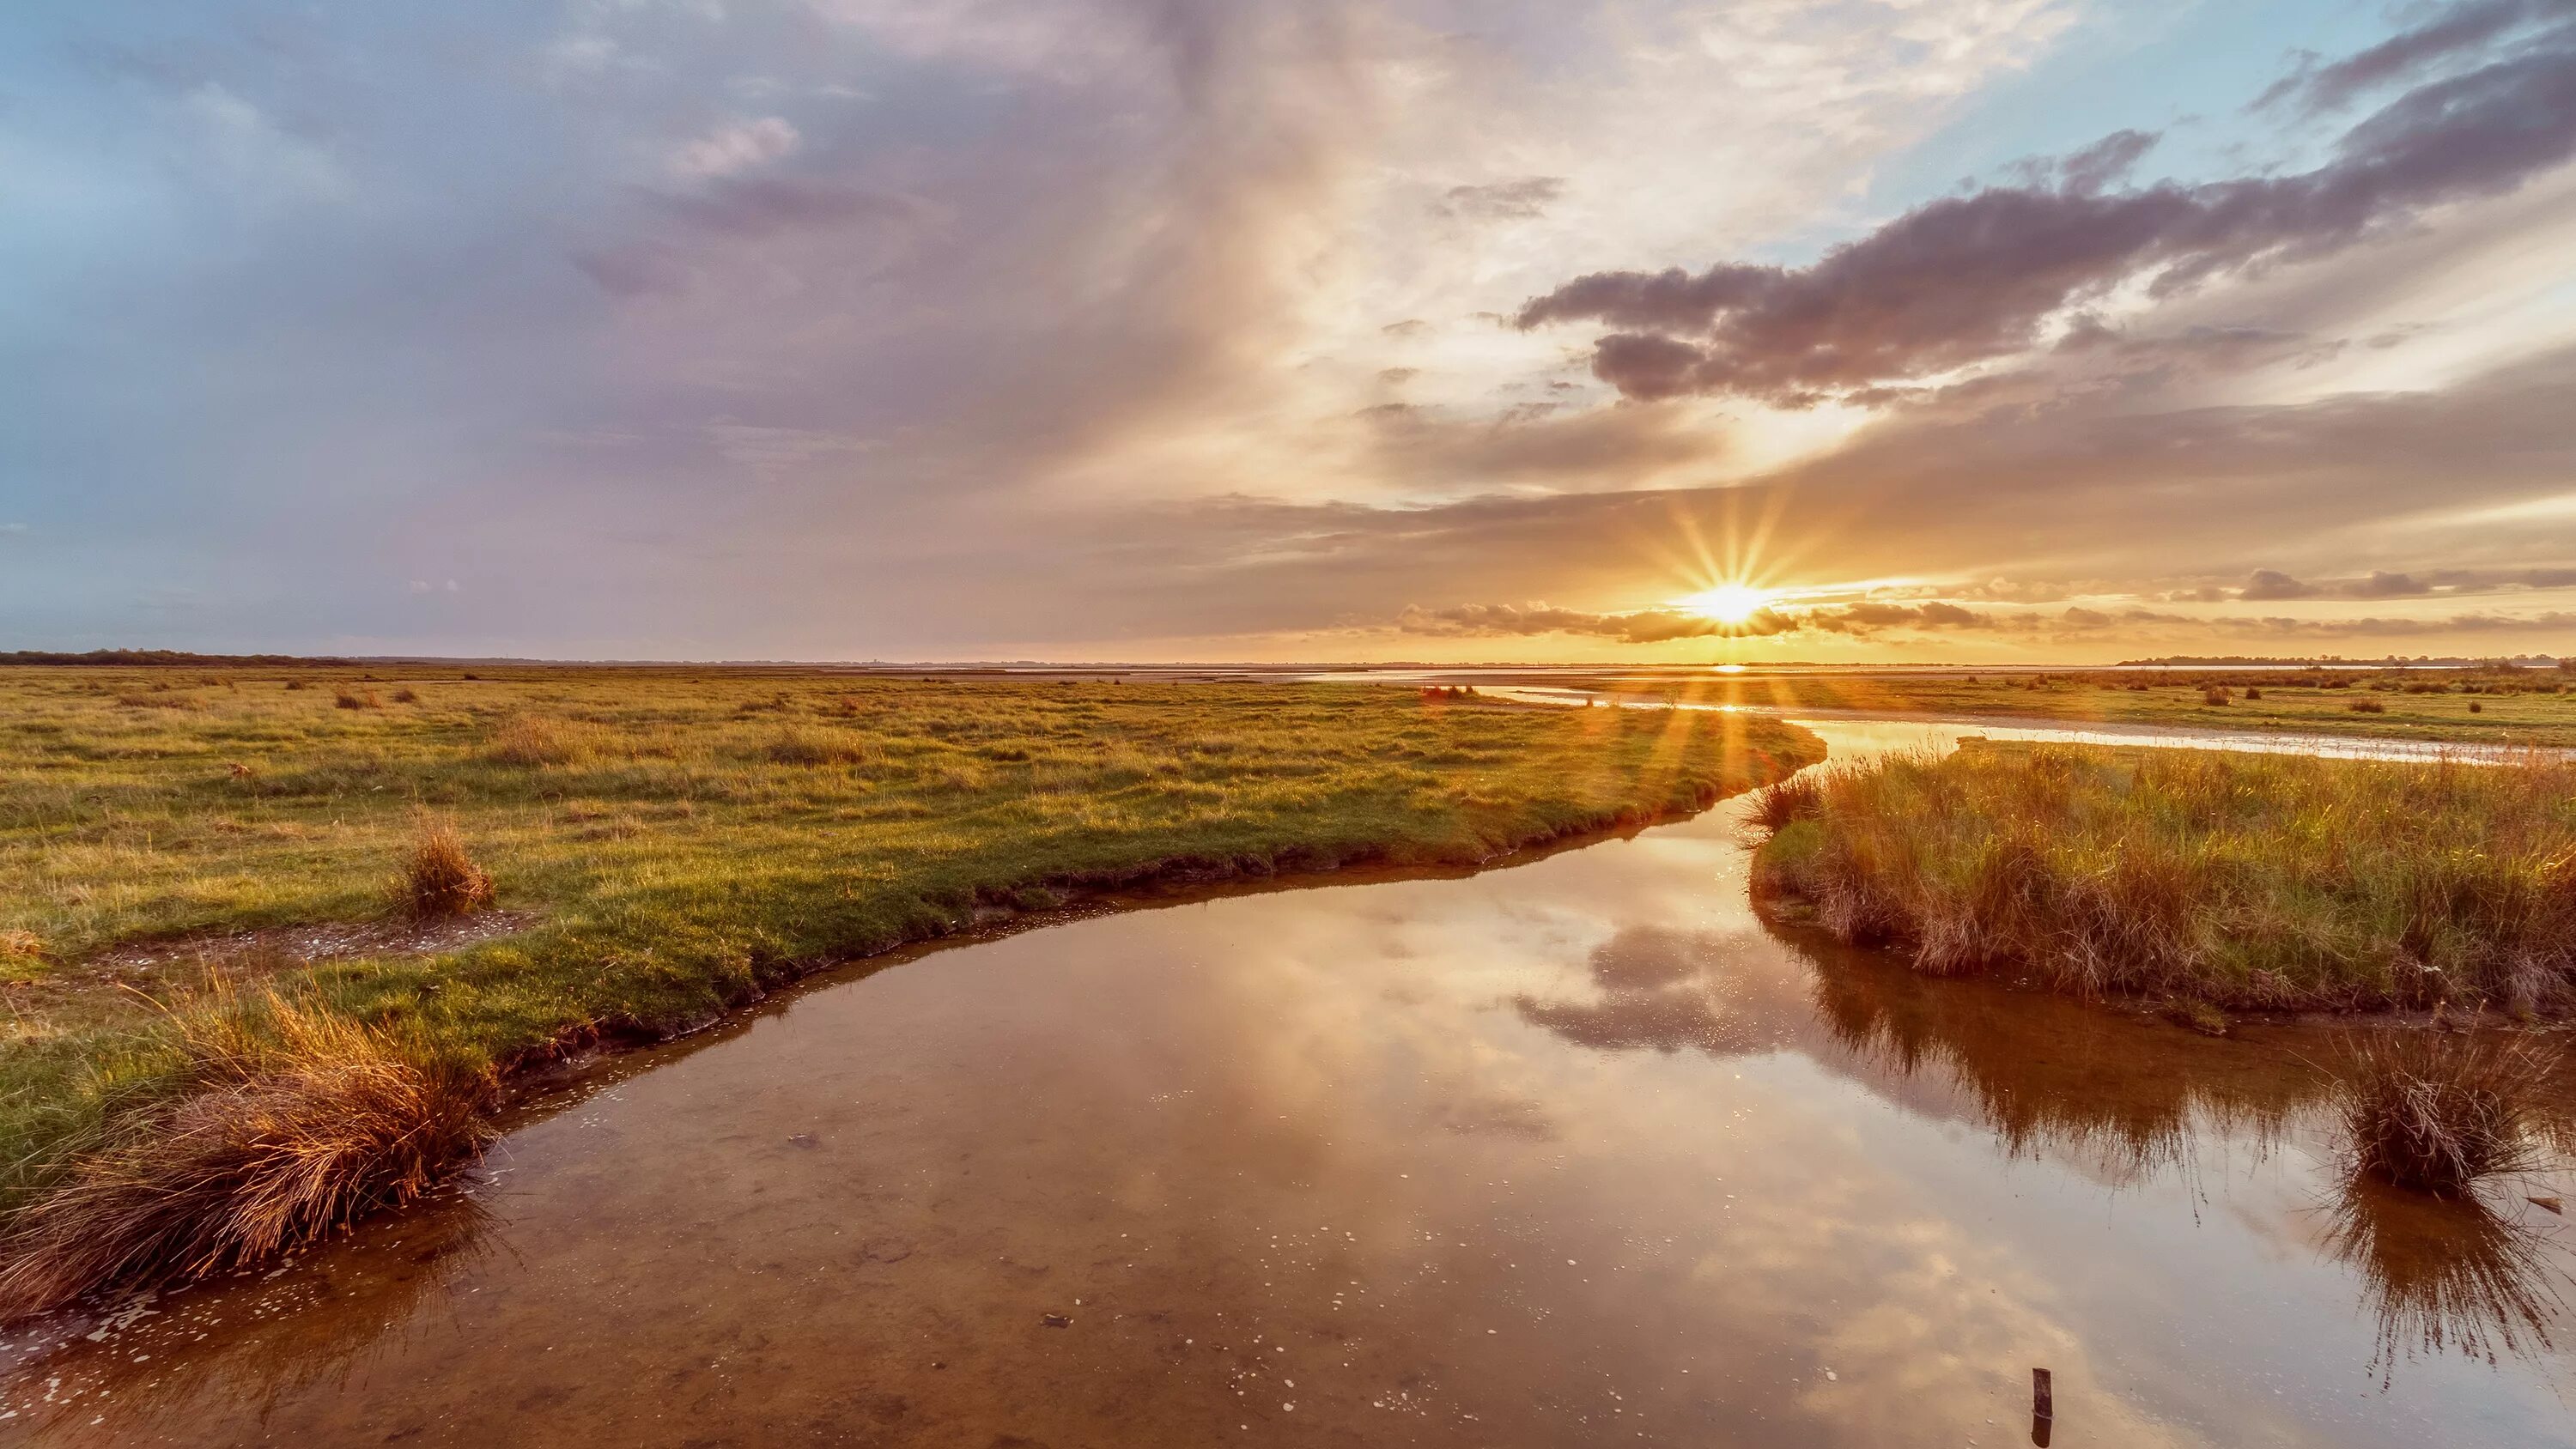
{"type": "Point", "coordinates": [1572, 1152]}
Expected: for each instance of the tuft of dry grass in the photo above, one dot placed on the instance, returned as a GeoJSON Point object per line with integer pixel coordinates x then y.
{"type": "Point", "coordinates": [1800, 797]}
{"type": "Point", "coordinates": [440, 878]}
{"type": "Point", "coordinates": [2434, 1111]}
{"type": "Point", "coordinates": [360, 699]}
{"type": "Point", "coordinates": [406, 696]}
{"type": "Point", "coordinates": [2367, 706]}
{"type": "Point", "coordinates": [298, 1121]}
{"type": "Point", "coordinates": [2214, 694]}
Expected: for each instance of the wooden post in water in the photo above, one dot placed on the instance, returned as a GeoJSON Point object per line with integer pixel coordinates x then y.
{"type": "Point", "coordinates": [2043, 1407]}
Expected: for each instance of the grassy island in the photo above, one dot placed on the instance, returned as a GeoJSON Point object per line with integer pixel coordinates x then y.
{"type": "Point", "coordinates": [2221, 880]}
{"type": "Point", "coordinates": [270, 938]}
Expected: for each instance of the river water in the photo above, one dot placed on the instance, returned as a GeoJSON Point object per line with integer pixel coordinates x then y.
{"type": "Point", "coordinates": [1573, 1151]}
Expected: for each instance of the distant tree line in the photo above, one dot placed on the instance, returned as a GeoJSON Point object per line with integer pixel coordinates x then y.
{"type": "Point", "coordinates": [2448, 661]}
{"type": "Point", "coordinates": [129, 658]}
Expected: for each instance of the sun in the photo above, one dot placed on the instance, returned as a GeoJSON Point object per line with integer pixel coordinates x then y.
{"type": "Point", "coordinates": [1727, 603]}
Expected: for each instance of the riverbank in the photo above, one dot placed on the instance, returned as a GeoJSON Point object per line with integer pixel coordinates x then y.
{"type": "Point", "coordinates": [662, 848]}
{"type": "Point", "coordinates": [2222, 881]}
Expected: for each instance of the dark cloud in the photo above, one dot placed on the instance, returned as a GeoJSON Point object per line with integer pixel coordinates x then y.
{"type": "Point", "coordinates": [2455, 29]}
{"type": "Point", "coordinates": [1973, 278]}
{"type": "Point", "coordinates": [2386, 586]}
{"type": "Point", "coordinates": [2270, 584]}
{"type": "Point", "coordinates": [1519, 200]}
{"type": "Point", "coordinates": [2466, 580]}
{"type": "Point", "coordinates": [2554, 622]}
{"type": "Point", "coordinates": [2105, 162]}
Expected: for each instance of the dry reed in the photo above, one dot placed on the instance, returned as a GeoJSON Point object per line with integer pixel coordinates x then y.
{"type": "Point", "coordinates": [295, 1122]}
{"type": "Point", "coordinates": [2435, 1111]}
{"type": "Point", "coordinates": [440, 878]}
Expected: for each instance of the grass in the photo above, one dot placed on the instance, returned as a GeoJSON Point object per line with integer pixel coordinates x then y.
{"type": "Point", "coordinates": [2493, 706]}
{"type": "Point", "coordinates": [670, 844]}
{"type": "Point", "coordinates": [441, 879]}
{"type": "Point", "coordinates": [2436, 1111]}
{"type": "Point", "coordinates": [2238, 880]}
{"type": "Point", "coordinates": [295, 1122]}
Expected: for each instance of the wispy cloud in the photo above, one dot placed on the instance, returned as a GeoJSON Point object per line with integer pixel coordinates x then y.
{"type": "Point", "coordinates": [740, 146]}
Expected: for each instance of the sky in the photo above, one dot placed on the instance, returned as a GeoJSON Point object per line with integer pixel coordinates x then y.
{"type": "Point", "coordinates": [1332, 330]}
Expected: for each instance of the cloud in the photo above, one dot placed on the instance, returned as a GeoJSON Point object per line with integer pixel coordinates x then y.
{"type": "Point", "coordinates": [2455, 29]}
{"type": "Point", "coordinates": [1970, 279]}
{"type": "Point", "coordinates": [2268, 584]}
{"type": "Point", "coordinates": [1521, 200]}
{"type": "Point", "coordinates": [2271, 584]}
{"type": "Point", "coordinates": [2386, 586]}
{"type": "Point", "coordinates": [2553, 622]}
{"type": "Point", "coordinates": [2105, 162]}
{"type": "Point", "coordinates": [737, 147]}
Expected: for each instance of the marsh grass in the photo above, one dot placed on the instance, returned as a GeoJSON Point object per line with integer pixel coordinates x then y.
{"type": "Point", "coordinates": [676, 856]}
{"type": "Point", "coordinates": [2241, 880]}
{"type": "Point", "coordinates": [531, 740]}
{"type": "Point", "coordinates": [22, 956]}
{"type": "Point", "coordinates": [1800, 797]}
{"type": "Point", "coordinates": [440, 878]}
{"type": "Point", "coordinates": [794, 746]}
{"type": "Point", "coordinates": [294, 1121]}
{"type": "Point", "coordinates": [2436, 1111]}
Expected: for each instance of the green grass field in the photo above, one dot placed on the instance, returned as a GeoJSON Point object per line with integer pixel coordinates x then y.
{"type": "Point", "coordinates": [666, 844]}
{"type": "Point", "coordinates": [2240, 880]}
